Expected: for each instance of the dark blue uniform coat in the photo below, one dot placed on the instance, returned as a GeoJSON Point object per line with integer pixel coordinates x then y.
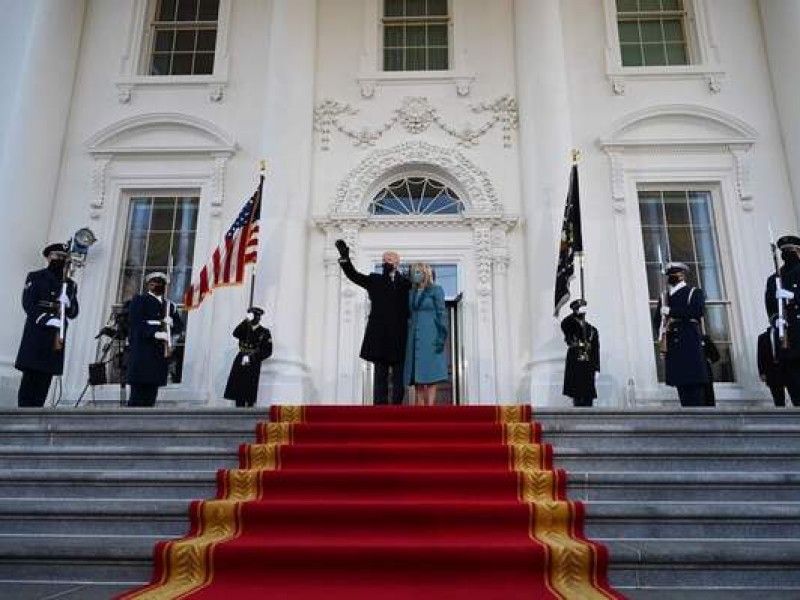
{"type": "Point", "coordinates": [583, 358]}
{"type": "Point", "coordinates": [39, 298]}
{"type": "Point", "coordinates": [685, 362]}
{"type": "Point", "coordinates": [790, 280]}
{"type": "Point", "coordinates": [256, 344]}
{"type": "Point", "coordinates": [147, 364]}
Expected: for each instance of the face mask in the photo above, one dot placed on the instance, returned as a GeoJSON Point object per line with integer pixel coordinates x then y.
{"type": "Point", "coordinates": [250, 317]}
{"type": "Point", "coordinates": [57, 266]}
{"type": "Point", "coordinates": [387, 268]}
{"type": "Point", "coordinates": [582, 310]}
{"type": "Point", "coordinates": [674, 279]}
{"type": "Point", "coordinates": [158, 289]}
{"type": "Point", "coordinates": [417, 276]}
{"type": "Point", "coordinates": [789, 256]}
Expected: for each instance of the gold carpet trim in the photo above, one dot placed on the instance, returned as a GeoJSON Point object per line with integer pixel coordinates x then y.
{"type": "Point", "coordinates": [571, 561]}
{"type": "Point", "coordinates": [263, 456]}
{"type": "Point", "coordinates": [536, 486]}
{"type": "Point", "coordinates": [243, 485]}
{"type": "Point", "coordinates": [278, 433]}
{"type": "Point", "coordinates": [517, 433]}
{"type": "Point", "coordinates": [188, 561]}
{"type": "Point", "coordinates": [510, 414]}
{"type": "Point", "coordinates": [526, 457]}
{"type": "Point", "coordinates": [291, 414]}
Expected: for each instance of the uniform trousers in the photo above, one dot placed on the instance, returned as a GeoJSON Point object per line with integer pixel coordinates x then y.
{"type": "Point", "coordinates": [33, 389]}
{"type": "Point", "coordinates": [791, 378]}
{"type": "Point", "coordinates": [143, 395]}
{"type": "Point", "coordinates": [692, 395]}
{"type": "Point", "coordinates": [381, 383]}
{"type": "Point", "coordinates": [582, 402]}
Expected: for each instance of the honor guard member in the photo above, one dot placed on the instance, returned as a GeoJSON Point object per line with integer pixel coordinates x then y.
{"type": "Point", "coordinates": [789, 295]}
{"type": "Point", "coordinates": [387, 326]}
{"type": "Point", "coordinates": [583, 356]}
{"type": "Point", "coordinates": [153, 322]}
{"type": "Point", "coordinates": [684, 359]}
{"type": "Point", "coordinates": [255, 346]}
{"type": "Point", "coordinates": [46, 300]}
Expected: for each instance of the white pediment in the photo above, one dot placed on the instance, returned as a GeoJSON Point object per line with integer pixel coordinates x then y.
{"type": "Point", "coordinates": [161, 133]}
{"type": "Point", "coordinates": [679, 125]}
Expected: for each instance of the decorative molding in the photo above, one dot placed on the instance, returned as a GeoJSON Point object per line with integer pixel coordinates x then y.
{"type": "Point", "coordinates": [617, 180]}
{"type": "Point", "coordinates": [416, 115]}
{"type": "Point", "coordinates": [482, 245]}
{"type": "Point", "coordinates": [742, 162]}
{"type": "Point", "coordinates": [218, 179]}
{"type": "Point", "coordinates": [369, 84]}
{"type": "Point", "coordinates": [99, 183]}
{"type": "Point", "coordinates": [353, 194]}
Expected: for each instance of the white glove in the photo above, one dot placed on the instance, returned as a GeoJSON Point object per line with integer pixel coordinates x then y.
{"type": "Point", "coordinates": [782, 294]}
{"type": "Point", "coordinates": [665, 311]}
{"type": "Point", "coordinates": [154, 322]}
{"type": "Point", "coordinates": [167, 321]}
{"type": "Point", "coordinates": [778, 323]}
{"type": "Point", "coordinates": [161, 335]}
{"type": "Point", "coordinates": [596, 376]}
{"type": "Point", "coordinates": [64, 299]}
{"type": "Point", "coordinates": [245, 360]}
{"type": "Point", "coordinates": [54, 323]}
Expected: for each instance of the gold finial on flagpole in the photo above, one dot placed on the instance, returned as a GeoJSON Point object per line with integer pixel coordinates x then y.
{"type": "Point", "coordinates": [263, 166]}
{"type": "Point", "coordinates": [576, 156]}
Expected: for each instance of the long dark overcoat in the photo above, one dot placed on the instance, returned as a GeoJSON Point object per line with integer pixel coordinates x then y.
{"type": "Point", "coordinates": [385, 336]}
{"type": "Point", "coordinates": [583, 357]}
{"type": "Point", "coordinates": [685, 361]}
{"type": "Point", "coordinates": [147, 364]}
{"type": "Point", "coordinates": [39, 298]}
{"type": "Point", "coordinates": [256, 344]}
{"type": "Point", "coordinates": [790, 280]}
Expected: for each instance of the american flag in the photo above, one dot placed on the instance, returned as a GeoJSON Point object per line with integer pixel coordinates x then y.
{"type": "Point", "coordinates": [239, 248]}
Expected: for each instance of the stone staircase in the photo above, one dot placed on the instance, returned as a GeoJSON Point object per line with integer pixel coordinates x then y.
{"type": "Point", "coordinates": [691, 504]}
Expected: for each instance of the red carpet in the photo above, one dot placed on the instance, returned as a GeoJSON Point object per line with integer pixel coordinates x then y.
{"type": "Point", "coordinates": [387, 503]}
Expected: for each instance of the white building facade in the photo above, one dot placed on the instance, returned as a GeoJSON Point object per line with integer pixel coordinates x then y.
{"type": "Point", "coordinates": [441, 129]}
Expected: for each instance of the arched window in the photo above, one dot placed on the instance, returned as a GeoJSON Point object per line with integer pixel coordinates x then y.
{"type": "Point", "coordinates": [416, 196]}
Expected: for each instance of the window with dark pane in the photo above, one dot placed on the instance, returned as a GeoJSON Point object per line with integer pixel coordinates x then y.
{"type": "Point", "coordinates": [679, 225]}
{"type": "Point", "coordinates": [652, 33]}
{"type": "Point", "coordinates": [416, 196]}
{"type": "Point", "coordinates": [416, 35]}
{"type": "Point", "coordinates": [159, 236]}
{"type": "Point", "coordinates": [183, 37]}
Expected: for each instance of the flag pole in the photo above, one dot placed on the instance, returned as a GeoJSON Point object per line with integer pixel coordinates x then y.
{"type": "Point", "coordinates": [576, 157]}
{"type": "Point", "coordinates": [262, 167]}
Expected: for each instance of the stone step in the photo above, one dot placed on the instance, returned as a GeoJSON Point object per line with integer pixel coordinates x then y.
{"type": "Point", "coordinates": [634, 563]}
{"type": "Point", "coordinates": [621, 520]}
{"type": "Point", "coordinates": [590, 487]}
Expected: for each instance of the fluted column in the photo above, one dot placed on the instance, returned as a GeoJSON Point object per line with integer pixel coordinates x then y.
{"type": "Point", "coordinates": [545, 140]}
{"type": "Point", "coordinates": [781, 24]}
{"type": "Point", "coordinates": [288, 145]}
{"type": "Point", "coordinates": [39, 43]}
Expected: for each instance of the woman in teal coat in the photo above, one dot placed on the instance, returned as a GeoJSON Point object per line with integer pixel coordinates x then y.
{"type": "Point", "coordinates": [426, 363]}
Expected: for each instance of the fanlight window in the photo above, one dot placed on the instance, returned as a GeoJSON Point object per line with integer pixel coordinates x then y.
{"type": "Point", "coordinates": [416, 196]}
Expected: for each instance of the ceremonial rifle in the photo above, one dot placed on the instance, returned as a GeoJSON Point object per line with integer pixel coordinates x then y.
{"type": "Point", "coordinates": [166, 322]}
{"type": "Point", "coordinates": [784, 340]}
{"type": "Point", "coordinates": [664, 323]}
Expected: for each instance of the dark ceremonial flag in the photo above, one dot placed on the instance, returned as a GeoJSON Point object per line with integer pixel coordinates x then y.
{"type": "Point", "coordinates": [571, 241]}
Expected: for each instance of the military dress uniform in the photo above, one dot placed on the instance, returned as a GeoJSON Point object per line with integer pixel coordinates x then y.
{"type": "Point", "coordinates": [148, 366]}
{"type": "Point", "coordinates": [385, 337]}
{"type": "Point", "coordinates": [38, 358]}
{"type": "Point", "coordinates": [583, 359]}
{"type": "Point", "coordinates": [769, 365]}
{"type": "Point", "coordinates": [789, 356]}
{"type": "Point", "coordinates": [684, 361]}
{"type": "Point", "coordinates": [255, 346]}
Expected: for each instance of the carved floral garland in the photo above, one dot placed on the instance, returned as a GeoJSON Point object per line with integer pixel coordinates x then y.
{"type": "Point", "coordinates": [415, 116]}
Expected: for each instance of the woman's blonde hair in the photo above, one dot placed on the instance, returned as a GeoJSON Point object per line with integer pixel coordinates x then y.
{"type": "Point", "coordinates": [427, 274]}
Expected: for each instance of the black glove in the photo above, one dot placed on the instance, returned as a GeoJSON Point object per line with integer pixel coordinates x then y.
{"type": "Point", "coordinates": [344, 251]}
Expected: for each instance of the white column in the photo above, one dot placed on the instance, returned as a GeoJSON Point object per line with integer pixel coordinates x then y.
{"type": "Point", "coordinates": [288, 145]}
{"type": "Point", "coordinates": [545, 141]}
{"type": "Point", "coordinates": [781, 24]}
{"type": "Point", "coordinates": [39, 47]}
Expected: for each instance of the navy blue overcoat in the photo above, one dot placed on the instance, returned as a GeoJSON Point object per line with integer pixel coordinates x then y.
{"type": "Point", "coordinates": [147, 364]}
{"type": "Point", "coordinates": [39, 300]}
{"type": "Point", "coordinates": [685, 362]}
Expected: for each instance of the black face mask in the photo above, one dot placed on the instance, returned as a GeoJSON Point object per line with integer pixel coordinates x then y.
{"type": "Point", "coordinates": [57, 266]}
{"type": "Point", "coordinates": [674, 279]}
{"type": "Point", "coordinates": [387, 268]}
{"type": "Point", "coordinates": [158, 289]}
{"type": "Point", "coordinates": [790, 257]}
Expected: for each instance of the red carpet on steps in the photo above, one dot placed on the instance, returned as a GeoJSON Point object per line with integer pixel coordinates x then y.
{"type": "Point", "coordinates": [387, 503]}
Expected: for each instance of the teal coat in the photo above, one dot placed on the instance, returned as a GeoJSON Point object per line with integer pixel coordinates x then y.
{"type": "Point", "coordinates": [427, 329]}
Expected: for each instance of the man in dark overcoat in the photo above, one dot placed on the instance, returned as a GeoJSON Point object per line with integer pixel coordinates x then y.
{"type": "Point", "coordinates": [789, 295]}
{"type": "Point", "coordinates": [684, 359]}
{"type": "Point", "coordinates": [40, 356]}
{"type": "Point", "coordinates": [384, 342]}
{"type": "Point", "coordinates": [153, 320]}
{"type": "Point", "coordinates": [583, 356]}
{"type": "Point", "coordinates": [255, 346]}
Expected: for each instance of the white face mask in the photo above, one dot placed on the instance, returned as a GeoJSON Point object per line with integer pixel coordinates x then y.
{"type": "Point", "coordinates": [582, 310]}
{"type": "Point", "coordinates": [250, 317]}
